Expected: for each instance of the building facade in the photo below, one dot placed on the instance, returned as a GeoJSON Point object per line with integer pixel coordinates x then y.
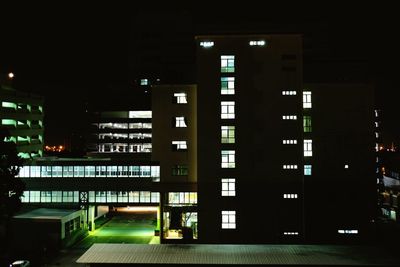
{"type": "Point", "coordinates": [22, 115]}
{"type": "Point", "coordinates": [278, 161]}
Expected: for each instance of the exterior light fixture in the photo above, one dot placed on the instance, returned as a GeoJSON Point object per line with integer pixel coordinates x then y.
{"type": "Point", "coordinates": [207, 44]}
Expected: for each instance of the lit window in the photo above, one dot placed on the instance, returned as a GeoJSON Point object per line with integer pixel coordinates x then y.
{"type": "Point", "coordinates": [376, 124]}
{"type": "Point", "coordinates": [257, 43]}
{"type": "Point", "coordinates": [227, 85]}
{"type": "Point", "coordinates": [228, 219]}
{"type": "Point", "coordinates": [307, 124]}
{"type": "Point", "coordinates": [307, 99]}
{"type": "Point", "coordinates": [140, 114]}
{"type": "Point", "coordinates": [289, 117]}
{"type": "Point", "coordinates": [179, 145]}
{"type": "Point", "coordinates": [349, 232]}
{"type": "Point", "coordinates": [207, 44]}
{"type": "Point", "coordinates": [289, 93]}
{"type": "Point", "coordinates": [144, 82]}
{"type": "Point", "coordinates": [180, 98]}
{"type": "Point", "coordinates": [182, 197]}
{"type": "Point", "coordinates": [227, 110]}
{"type": "Point", "coordinates": [289, 195]}
{"type": "Point", "coordinates": [307, 169]}
{"type": "Point", "coordinates": [180, 122]}
{"type": "Point", "coordinates": [290, 233]}
{"type": "Point", "coordinates": [289, 167]}
{"type": "Point", "coordinates": [228, 187]}
{"type": "Point", "coordinates": [307, 148]}
{"type": "Point", "coordinates": [346, 166]}
{"type": "Point", "coordinates": [227, 63]}
{"type": "Point", "coordinates": [227, 134]}
{"type": "Point", "coordinates": [180, 170]}
{"type": "Point", "coordinates": [289, 141]}
{"type": "Point", "coordinates": [228, 159]}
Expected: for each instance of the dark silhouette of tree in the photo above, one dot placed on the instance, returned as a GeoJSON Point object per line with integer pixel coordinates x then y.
{"type": "Point", "coordinates": [11, 188]}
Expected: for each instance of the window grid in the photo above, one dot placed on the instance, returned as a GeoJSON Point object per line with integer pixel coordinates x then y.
{"type": "Point", "coordinates": [307, 148]}
{"type": "Point", "coordinates": [289, 167]}
{"type": "Point", "coordinates": [227, 134]}
{"type": "Point", "coordinates": [180, 98]}
{"type": "Point", "coordinates": [307, 99]}
{"type": "Point", "coordinates": [228, 64]}
{"type": "Point", "coordinates": [227, 85]}
{"type": "Point", "coordinates": [290, 196]}
{"type": "Point", "coordinates": [289, 117]}
{"type": "Point", "coordinates": [289, 141]}
{"type": "Point", "coordinates": [227, 109]}
{"type": "Point", "coordinates": [228, 219]}
{"type": "Point", "coordinates": [180, 122]}
{"type": "Point", "coordinates": [307, 124]}
{"type": "Point", "coordinates": [179, 145]}
{"type": "Point", "coordinates": [307, 169]}
{"type": "Point", "coordinates": [228, 187]}
{"type": "Point", "coordinates": [228, 159]}
{"type": "Point", "coordinates": [289, 93]}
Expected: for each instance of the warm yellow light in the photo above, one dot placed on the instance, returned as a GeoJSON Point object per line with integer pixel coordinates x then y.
{"type": "Point", "coordinates": [11, 75]}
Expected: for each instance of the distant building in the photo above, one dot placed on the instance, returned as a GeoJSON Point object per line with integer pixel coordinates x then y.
{"type": "Point", "coordinates": [22, 115]}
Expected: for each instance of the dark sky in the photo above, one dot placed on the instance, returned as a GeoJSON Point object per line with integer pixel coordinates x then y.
{"type": "Point", "coordinates": [77, 54]}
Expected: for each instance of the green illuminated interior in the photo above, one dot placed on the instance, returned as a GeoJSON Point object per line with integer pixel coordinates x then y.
{"type": "Point", "coordinates": [8, 122]}
{"type": "Point", "coordinates": [8, 105]}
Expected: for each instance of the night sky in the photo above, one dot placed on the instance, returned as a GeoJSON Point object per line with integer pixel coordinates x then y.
{"type": "Point", "coordinates": [74, 55]}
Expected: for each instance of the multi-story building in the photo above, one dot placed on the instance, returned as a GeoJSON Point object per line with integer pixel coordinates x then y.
{"type": "Point", "coordinates": [279, 161]}
{"type": "Point", "coordinates": [22, 115]}
{"type": "Point", "coordinates": [248, 155]}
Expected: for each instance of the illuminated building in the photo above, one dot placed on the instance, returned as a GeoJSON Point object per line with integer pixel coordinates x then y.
{"type": "Point", "coordinates": [22, 115]}
{"type": "Point", "coordinates": [279, 160]}
{"type": "Point", "coordinates": [250, 154]}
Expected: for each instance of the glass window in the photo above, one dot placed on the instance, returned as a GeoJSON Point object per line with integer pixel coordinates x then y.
{"type": "Point", "coordinates": [89, 171]}
{"type": "Point", "coordinates": [227, 85]}
{"type": "Point", "coordinates": [180, 98]}
{"type": "Point", "coordinates": [227, 134]}
{"type": "Point", "coordinates": [228, 219]}
{"type": "Point", "coordinates": [180, 122]}
{"type": "Point", "coordinates": [307, 99]}
{"type": "Point", "coordinates": [207, 44]}
{"type": "Point", "coordinates": [289, 141]}
{"type": "Point", "coordinates": [79, 171]}
{"type": "Point", "coordinates": [133, 196]}
{"type": "Point", "coordinates": [68, 171]}
{"type": "Point", "coordinates": [155, 197]}
{"type": "Point", "coordinates": [144, 82]}
{"type": "Point", "coordinates": [56, 171]}
{"type": "Point", "coordinates": [35, 171]}
{"type": "Point", "coordinates": [289, 93]}
{"type": "Point", "coordinates": [56, 197]}
{"type": "Point", "coordinates": [228, 187]}
{"type": "Point", "coordinates": [228, 159]}
{"type": "Point", "coordinates": [307, 124]}
{"type": "Point", "coordinates": [101, 197]}
{"type": "Point", "coordinates": [289, 195]}
{"type": "Point", "coordinates": [112, 196]}
{"type": "Point", "coordinates": [145, 171]}
{"type": "Point", "coordinates": [307, 148]}
{"type": "Point", "coordinates": [289, 117]}
{"type": "Point", "coordinates": [24, 172]}
{"type": "Point", "coordinates": [140, 114]}
{"type": "Point", "coordinates": [45, 196]}
{"type": "Point", "coordinates": [34, 197]}
{"type": "Point", "coordinates": [227, 64]}
{"type": "Point", "coordinates": [307, 169]}
{"type": "Point", "coordinates": [179, 145]}
{"type": "Point", "coordinates": [145, 196]}
{"type": "Point", "coordinates": [25, 197]}
{"type": "Point", "coordinates": [180, 170]}
{"type": "Point", "coordinates": [123, 196]}
{"type": "Point", "coordinates": [122, 171]}
{"type": "Point", "coordinates": [227, 109]}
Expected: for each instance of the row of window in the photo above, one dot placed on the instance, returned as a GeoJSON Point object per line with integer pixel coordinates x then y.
{"type": "Point", "coordinates": [182, 197]}
{"type": "Point", "coordinates": [208, 44]}
{"type": "Point", "coordinates": [125, 147]}
{"type": "Point", "coordinates": [88, 171]}
{"type": "Point", "coordinates": [93, 197]}
{"type": "Point", "coordinates": [118, 125]}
